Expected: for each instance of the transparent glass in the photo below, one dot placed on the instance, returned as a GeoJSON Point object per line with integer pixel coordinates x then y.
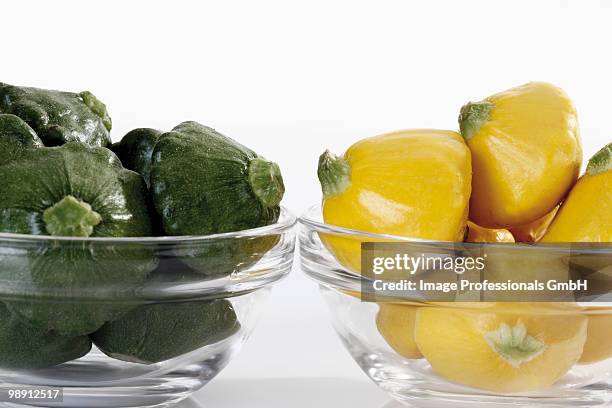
{"type": "Point", "coordinates": [447, 353]}
{"type": "Point", "coordinates": [131, 322]}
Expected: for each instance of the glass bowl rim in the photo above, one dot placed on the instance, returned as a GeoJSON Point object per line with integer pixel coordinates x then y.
{"type": "Point", "coordinates": [236, 283]}
{"type": "Point", "coordinates": [340, 278]}
{"type": "Point", "coordinates": [286, 221]}
{"type": "Point", "coordinates": [308, 218]}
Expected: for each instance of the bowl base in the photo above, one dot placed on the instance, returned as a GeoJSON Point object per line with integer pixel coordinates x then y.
{"type": "Point", "coordinates": [151, 393]}
{"type": "Point", "coordinates": [424, 389]}
{"type": "Point", "coordinates": [99, 382]}
{"type": "Point", "coordinates": [124, 397]}
{"type": "Point", "coordinates": [426, 398]}
{"type": "Point", "coordinates": [164, 390]}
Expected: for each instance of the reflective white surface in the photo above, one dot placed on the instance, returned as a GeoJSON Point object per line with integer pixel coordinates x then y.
{"type": "Point", "coordinates": [289, 392]}
{"type": "Point", "coordinates": [303, 393]}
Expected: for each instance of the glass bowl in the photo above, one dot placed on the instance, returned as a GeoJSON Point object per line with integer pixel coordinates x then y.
{"type": "Point", "coordinates": [130, 322]}
{"type": "Point", "coordinates": [469, 348]}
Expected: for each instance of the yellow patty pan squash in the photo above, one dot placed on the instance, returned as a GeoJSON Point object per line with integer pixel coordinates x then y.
{"type": "Point", "coordinates": [510, 347]}
{"type": "Point", "coordinates": [411, 183]}
{"type": "Point", "coordinates": [526, 153]}
{"type": "Point", "coordinates": [395, 322]}
{"type": "Point", "coordinates": [476, 233]}
{"type": "Point", "coordinates": [535, 230]}
{"type": "Point", "coordinates": [598, 346]}
{"type": "Point", "coordinates": [586, 214]}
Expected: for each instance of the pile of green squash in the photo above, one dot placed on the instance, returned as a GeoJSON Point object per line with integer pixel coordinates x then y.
{"type": "Point", "coordinates": [61, 176]}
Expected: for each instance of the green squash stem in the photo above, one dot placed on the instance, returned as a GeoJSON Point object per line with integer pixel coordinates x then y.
{"type": "Point", "coordinates": [472, 116]}
{"type": "Point", "coordinates": [71, 217]}
{"type": "Point", "coordinates": [97, 107]}
{"type": "Point", "coordinates": [601, 161]}
{"type": "Point", "coordinates": [266, 181]}
{"type": "Point", "coordinates": [334, 174]}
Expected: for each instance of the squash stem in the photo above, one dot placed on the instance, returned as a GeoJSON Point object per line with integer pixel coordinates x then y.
{"type": "Point", "coordinates": [334, 174]}
{"type": "Point", "coordinates": [514, 344]}
{"type": "Point", "coordinates": [97, 107]}
{"type": "Point", "coordinates": [601, 161]}
{"type": "Point", "coordinates": [266, 181]}
{"type": "Point", "coordinates": [71, 217]}
{"type": "Point", "coordinates": [472, 116]}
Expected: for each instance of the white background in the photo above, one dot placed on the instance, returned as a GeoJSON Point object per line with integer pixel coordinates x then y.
{"type": "Point", "coordinates": [290, 79]}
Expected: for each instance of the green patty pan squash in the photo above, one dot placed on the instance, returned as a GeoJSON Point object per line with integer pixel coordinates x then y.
{"type": "Point", "coordinates": [73, 190]}
{"type": "Point", "coordinates": [16, 136]}
{"type": "Point", "coordinates": [58, 117]}
{"type": "Point", "coordinates": [203, 182]}
{"type": "Point", "coordinates": [78, 191]}
{"type": "Point", "coordinates": [526, 153]}
{"type": "Point", "coordinates": [136, 150]}
{"type": "Point", "coordinates": [23, 347]}
{"type": "Point", "coordinates": [153, 333]}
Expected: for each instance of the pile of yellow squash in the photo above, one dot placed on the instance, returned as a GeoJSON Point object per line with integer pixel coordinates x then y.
{"type": "Point", "coordinates": [510, 175]}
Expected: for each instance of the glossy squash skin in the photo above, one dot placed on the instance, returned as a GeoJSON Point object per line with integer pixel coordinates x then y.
{"type": "Point", "coordinates": [16, 137]}
{"type": "Point", "coordinates": [395, 323]}
{"type": "Point", "coordinates": [535, 230]}
{"type": "Point", "coordinates": [57, 116]}
{"type": "Point", "coordinates": [24, 347]}
{"type": "Point", "coordinates": [153, 333]}
{"type": "Point", "coordinates": [598, 346]}
{"type": "Point", "coordinates": [476, 233]}
{"type": "Point", "coordinates": [412, 183]}
{"type": "Point", "coordinates": [136, 150]}
{"type": "Point", "coordinates": [526, 153]}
